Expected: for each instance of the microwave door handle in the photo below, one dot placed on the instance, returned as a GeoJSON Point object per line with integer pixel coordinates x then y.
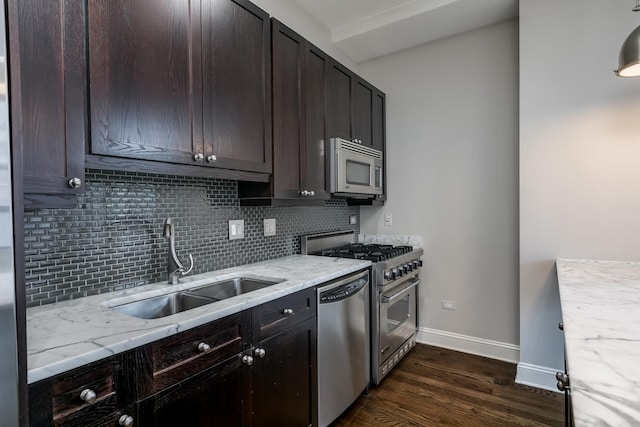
{"type": "Point", "coordinates": [390, 299]}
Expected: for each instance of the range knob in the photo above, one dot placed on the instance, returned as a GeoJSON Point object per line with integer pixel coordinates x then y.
{"type": "Point", "coordinates": [399, 271]}
{"type": "Point", "coordinates": [409, 266]}
{"type": "Point", "coordinates": [416, 264]}
{"type": "Point", "coordinates": [388, 275]}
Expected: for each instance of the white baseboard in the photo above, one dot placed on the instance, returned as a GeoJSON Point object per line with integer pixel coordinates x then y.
{"type": "Point", "coordinates": [527, 374]}
{"type": "Point", "coordinates": [537, 376]}
{"type": "Point", "coordinates": [467, 344]}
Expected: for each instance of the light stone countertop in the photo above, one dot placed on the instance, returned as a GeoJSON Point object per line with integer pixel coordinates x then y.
{"type": "Point", "coordinates": [70, 334]}
{"type": "Point", "coordinates": [601, 315]}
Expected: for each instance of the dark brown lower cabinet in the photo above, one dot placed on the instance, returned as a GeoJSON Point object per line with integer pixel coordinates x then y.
{"type": "Point", "coordinates": [215, 397]}
{"type": "Point", "coordinates": [253, 368]}
{"type": "Point", "coordinates": [284, 380]}
{"type": "Point", "coordinates": [94, 395]}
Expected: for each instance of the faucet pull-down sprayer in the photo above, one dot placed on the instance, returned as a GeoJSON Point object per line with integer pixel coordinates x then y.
{"type": "Point", "coordinates": [175, 268]}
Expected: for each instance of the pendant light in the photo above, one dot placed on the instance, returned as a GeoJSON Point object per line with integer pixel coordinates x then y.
{"type": "Point", "coordinates": [629, 59]}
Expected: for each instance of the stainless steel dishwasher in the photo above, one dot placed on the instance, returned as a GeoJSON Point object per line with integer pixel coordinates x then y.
{"type": "Point", "coordinates": [344, 357]}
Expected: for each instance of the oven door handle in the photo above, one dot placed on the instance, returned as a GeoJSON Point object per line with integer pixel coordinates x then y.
{"type": "Point", "coordinates": [389, 299]}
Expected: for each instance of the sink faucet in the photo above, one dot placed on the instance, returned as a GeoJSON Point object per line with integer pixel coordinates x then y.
{"type": "Point", "coordinates": [175, 268]}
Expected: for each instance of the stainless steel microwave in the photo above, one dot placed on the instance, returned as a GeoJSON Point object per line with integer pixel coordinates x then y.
{"type": "Point", "coordinates": [354, 169]}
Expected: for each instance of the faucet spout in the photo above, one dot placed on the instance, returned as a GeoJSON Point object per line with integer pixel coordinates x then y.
{"type": "Point", "coordinates": [175, 268]}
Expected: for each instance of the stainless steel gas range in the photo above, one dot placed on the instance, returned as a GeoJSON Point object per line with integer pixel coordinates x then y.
{"type": "Point", "coordinates": [394, 293]}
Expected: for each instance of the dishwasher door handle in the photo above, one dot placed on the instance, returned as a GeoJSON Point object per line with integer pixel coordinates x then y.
{"type": "Point", "coordinates": [390, 299]}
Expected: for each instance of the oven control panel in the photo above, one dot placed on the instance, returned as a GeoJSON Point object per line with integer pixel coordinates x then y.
{"type": "Point", "coordinates": [395, 273]}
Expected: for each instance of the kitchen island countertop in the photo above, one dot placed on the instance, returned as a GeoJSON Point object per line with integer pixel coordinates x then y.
{"type": "Point", "coordinates": [601, 316]}
{"type": "Point", "coordinates": [70, 334]}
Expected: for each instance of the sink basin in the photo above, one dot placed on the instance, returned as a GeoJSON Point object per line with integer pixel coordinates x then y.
{"type": "Point", "coordinates": [162, 306]}
{"type": "Point", "coordinates": [231, 288]}
{"type": "Point", "coordinates": [177, 302]}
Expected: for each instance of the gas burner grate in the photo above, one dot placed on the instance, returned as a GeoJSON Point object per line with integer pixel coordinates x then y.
{"type": "Point", "coordinates": [372, 252]}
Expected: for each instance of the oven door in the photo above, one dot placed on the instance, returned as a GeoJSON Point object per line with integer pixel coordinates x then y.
{"type": "Point", "coordinates": [397, 316]}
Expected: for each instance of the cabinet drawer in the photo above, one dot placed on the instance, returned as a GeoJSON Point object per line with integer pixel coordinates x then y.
{"type": "Point", "coordinates": [275, 316]}
{"type": "Point", "coordinates": [183, 355]}
{"type": "Point", "coordinates": [87, 393]}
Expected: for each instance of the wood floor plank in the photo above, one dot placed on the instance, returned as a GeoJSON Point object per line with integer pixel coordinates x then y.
{"type": "Point", "coordinates": [433, 386]}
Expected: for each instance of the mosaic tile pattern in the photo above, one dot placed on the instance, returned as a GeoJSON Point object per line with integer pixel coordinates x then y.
{"type": "Point", "coordinates": [113, 238]}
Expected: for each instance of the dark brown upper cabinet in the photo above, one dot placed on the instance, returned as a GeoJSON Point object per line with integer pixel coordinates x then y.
{"type": "Point", "coordinates": [378, 124]}
{"type": "Point", "coordinates": [340, 95]}
{"type": "Point", "coordinates": [299, 72]}
{"type": "Point", "coordinates": [48, 99]}
{"type": "Point", "coordinates": [356, 111]}
{"type": "Point", "coordinates": [181, 82]}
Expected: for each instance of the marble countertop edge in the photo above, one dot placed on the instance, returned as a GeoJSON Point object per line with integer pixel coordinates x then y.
{"type": "Point", "coordinates": [600, 302]}
{"type": "Point", "coordinates": [70, 334]}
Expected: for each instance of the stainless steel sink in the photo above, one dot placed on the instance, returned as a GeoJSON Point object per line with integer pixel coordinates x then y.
{"type": "Point", "coordinates": [162, 306]}
{"type": "Point", "coordinates": [177, 302]}
{"type": "Point", "coordinates": [231, 288]}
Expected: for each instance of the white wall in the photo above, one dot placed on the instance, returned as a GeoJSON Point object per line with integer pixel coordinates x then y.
{"type": "Point", "coordinates": [579, 156]}
{"type": "Point", "coordinates": [452, 153]}
{"type": "Point", "coordinates": [289, 13]}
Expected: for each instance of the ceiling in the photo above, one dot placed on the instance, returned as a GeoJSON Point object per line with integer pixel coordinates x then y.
{"type": "Point", "coordinates": [366, 29]}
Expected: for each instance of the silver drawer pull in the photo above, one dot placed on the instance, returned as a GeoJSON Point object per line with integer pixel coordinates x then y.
{"type": "Point", "coordinates": [259, 352]}
{"type": "Point", "coordinates": [88, 395]}
{"type": "Point", "coordinates": [288, 312]}
{"type": "Point", "coordinates": [203, 347]}
{"type": "Point", "coordinates": [247, 360]}
{"type": "Point", "coordinates": [198, 156]}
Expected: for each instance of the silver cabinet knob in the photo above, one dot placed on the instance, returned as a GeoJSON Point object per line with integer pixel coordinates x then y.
{"type": "Point", "coordinates": [247, 360]}
{"type": "Point", "coordinates": [563, 381]}
{"type": "Point", "coordinates": [259, 352]}
{"type": "Point", "coordinates": [312, 193]}
{"type": "Point", "coordinates": [561, 326]}
{"type": "Point", "coordinates": [125, 420]}
{"type": "Point", "coordinates": [304, 193]}
{"type": "Point", "coordinates": [211, 158]}
{"type": "Point", "coordinates": [288, 312]}
{"type": "Point", "coordinates": [198, 157]}
{"type": "Point", "coordinates": [88, 395]}
{"type": "Point", "coordinates": [203, 347]}
{"type": "Point", "coordinates": [75, 182]}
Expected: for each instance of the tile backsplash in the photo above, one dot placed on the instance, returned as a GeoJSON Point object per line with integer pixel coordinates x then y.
{"type": "Point", "coordinates": [113, 238]}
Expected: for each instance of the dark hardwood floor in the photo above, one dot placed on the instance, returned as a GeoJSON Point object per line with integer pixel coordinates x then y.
{"type": "Point", "coordinates": [433, 386]}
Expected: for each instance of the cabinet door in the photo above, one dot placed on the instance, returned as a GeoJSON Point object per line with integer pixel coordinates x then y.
{"type": "Point", "coordinates": [142, 80]}
{"type": "Point", "coordinates": [215, 397]}
{"type": "Point", "coordinates": [339, 107]}
{"type": "Point", "coordinates": [236, 75]}
{"type": "Point", "coordinates": [379, 122]}
{"type": "Point", "coordinates": [284, 380]}
{"type": "Point", "coordinates": [314, 149]}
{"type": "Point", "coordinates": [288, 119]}
{"type": "Point", "coordinates": [363, 104]}
{"type": "Point", "coordinates": [48, 97]}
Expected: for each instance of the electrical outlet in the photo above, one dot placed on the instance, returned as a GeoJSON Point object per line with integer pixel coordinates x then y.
{"type": "Point", "coordinates": [269, 227]}
{"type": "Point", "coordinates": [236, 229]}
{"type": "Point", "coordinates": [388, 220]}
{"type": "Point", "coordinates": [448, 305]}
{"type": "Point", "coordinates": [353, 220]}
